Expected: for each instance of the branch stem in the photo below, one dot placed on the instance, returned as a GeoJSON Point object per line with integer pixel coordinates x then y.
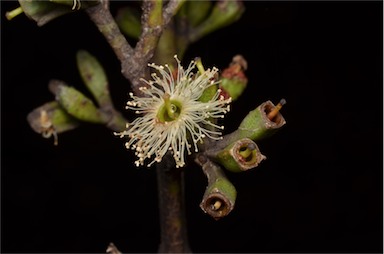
{"type": "Point", "coordinates": [106, 24]}
{"type": "Point", "coordinates": [173, 230]}
{"type": "Point", "coordinates": [155, 19]}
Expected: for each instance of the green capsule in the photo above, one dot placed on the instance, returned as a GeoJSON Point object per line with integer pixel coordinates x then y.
{"type": "Point", "coordinates": [220, 195]}
{"type": "Point", "coordinates": [259, 124]}
{"type": "Point", "coordinates": [240, 156]}
{"type": "Point", "coordinates": [219, 198]}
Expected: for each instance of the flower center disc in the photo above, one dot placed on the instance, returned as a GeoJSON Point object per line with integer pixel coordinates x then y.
{"type": "Point", "coordinates": [169, 111]}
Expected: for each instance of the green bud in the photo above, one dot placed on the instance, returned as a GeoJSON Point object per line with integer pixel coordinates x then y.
{"type": "Point", "coordinates": [197, 11]}
{"type": "Point", "coordinates": [94, 77]}
{"type": "Point", "coordinates": [233, 80]}
{"type": "Point", "coordinates": [76, 103]}
{"type": "Point", "coordinates": [77, 4]}
{"type": "Point", "coordinates": [128, 20]}
{"type": "Point", "coordinates": [208, 94]}
{"type": "Point", "coordinates": [44, 11]}
{"type": "Point", "coordinates": [257, 125]}
{"type": "Point", "coordinates": [224, 12]}
{"type": "Point", "coordinates": [240, 156]}
{"type": "Point", "coordinates": [51, 119]}
{"type": "Point", "coordinates": [233, 87]}
{"type": "Point", "coordinates": [210, 91]}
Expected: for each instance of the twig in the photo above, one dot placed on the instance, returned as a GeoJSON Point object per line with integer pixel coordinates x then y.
{"type": "Point", "coordinates": [105, 22]}
{"type": "Point", "coordinates": [154, 20]}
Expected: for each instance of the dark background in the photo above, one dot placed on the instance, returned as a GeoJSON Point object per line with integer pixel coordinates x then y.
{"type": "Point", "coordinates": [320, 189]}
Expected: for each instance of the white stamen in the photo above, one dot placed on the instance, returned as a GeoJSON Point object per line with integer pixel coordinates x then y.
{"type": "Point", "coordinates": [152, 138]}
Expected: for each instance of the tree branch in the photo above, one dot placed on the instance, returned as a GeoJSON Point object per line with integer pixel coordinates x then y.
{"type": "Point", "coordinates": [155, 18]}
{"type": "Point", "coordinates": [106, 24]}
{"type": "Point", "coordinates": [173, 235]}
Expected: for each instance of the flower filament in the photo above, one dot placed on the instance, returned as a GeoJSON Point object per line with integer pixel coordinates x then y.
{"type": "Point", "coordinates": [172, 118]}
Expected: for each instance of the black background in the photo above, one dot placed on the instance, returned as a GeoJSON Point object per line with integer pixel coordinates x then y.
{"type": "Point", "coordinates": [320, 189]}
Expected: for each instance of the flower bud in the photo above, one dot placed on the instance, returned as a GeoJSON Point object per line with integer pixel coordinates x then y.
{"type": "Point", "coordinates": [94, 77]}
{"type": "Point", "coordinates": [211, 91]}
{"type": "Point", "coordinates": [51, 119]}
{"type": "Point", "coordinates": [224, 12]}
{"type": "Point", "coordinates": [128, 20]}
{"type": "Point", "coordinates": [76, 103]}
{"type": "Point", "coordinates": [76, 4]}
{"type": "Point", "coordinates": [44, 11]}
{"type": "Point", "coordinates": [197, 11]}
{"type": "Point", "coordinates": [233, 80]}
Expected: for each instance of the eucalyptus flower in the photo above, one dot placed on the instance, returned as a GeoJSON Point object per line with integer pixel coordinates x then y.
{"type": "Point", "coordinates": [172, 118]}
